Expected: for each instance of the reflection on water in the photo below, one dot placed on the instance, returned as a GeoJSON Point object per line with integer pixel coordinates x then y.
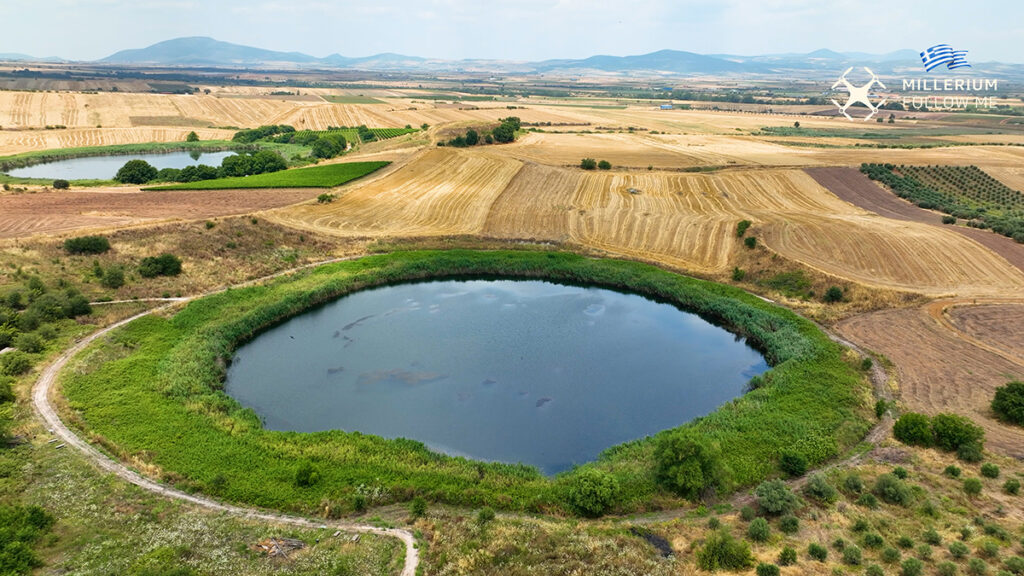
{"type": "Point", "coordinates": [512, 371]}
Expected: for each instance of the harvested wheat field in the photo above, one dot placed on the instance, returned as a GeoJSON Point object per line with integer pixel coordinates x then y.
{"type": "Point", "coordinates": [440, 192]}
{"type": "Point", "coordinates": [685, 220]}
{"type": "Point", "coordinates": [54, 212]}
{"type": "Point", "coordinates": [18, 141]}
{"type": "Point", "coordinates": [939, 370]}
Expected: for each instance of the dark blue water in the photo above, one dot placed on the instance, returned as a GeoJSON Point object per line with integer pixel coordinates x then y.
{"type": "Point", "coordinates": [106, 167]}
{"type": "Point", "coordinates": [510, 371]}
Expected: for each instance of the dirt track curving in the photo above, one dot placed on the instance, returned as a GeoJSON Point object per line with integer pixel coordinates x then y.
{"type": "Point", "coordinates": [41, 401]}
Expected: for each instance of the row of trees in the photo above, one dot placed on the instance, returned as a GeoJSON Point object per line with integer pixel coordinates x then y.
{"type": "Point", "coordinates": [261, 162]}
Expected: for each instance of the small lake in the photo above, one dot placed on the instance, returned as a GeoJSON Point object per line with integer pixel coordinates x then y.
{"type": "Point", "coordinates": [509, 370]}
{"type": "Point", "coordinates": [105, 167]}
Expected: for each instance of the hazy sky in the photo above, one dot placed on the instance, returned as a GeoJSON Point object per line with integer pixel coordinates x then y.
{"type": "Point", "coordinates": [517, 29]}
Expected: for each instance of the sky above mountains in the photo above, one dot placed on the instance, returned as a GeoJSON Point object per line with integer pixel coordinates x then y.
{"type": "Point", "coordinates": [518, 29]}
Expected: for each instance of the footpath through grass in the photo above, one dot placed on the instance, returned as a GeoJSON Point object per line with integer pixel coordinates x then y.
{"type": "Point", "coordinates": [327, 176]}
{"type": "Point", "coordinates": [152, 392]}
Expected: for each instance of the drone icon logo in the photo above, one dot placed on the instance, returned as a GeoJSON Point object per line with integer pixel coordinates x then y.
{"type": "Point", "coordinates": [860, 94]}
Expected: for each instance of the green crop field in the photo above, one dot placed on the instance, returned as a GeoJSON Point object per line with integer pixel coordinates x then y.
{"type": "Point", "coordinates": [351, 99]}
{"type": "Point", "coordinates": [962, 191]}
{"type": "Point", "coordinates": [327, 176]}
{"type": "Point", "coordinates": [153, 390]}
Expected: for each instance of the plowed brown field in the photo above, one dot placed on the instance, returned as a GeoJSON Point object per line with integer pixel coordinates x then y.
{"type": "Point", "coordinates": [939, 370]}
{"type": "Point", "coordinates": [55, 212]}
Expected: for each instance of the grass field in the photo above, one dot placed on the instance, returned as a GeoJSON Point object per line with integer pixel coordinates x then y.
{"type": "Point", "coordinates": [165, 373]}
{"type": "Point", "coordinates": [327, 176]}
{"type": "Point", "coordinates": [351, 99]}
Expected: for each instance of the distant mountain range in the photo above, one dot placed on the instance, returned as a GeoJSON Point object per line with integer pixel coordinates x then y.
{"type": "Point", "coordinates": [202, 51]}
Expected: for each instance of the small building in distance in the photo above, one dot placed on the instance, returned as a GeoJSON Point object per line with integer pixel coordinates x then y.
{"type": "Point", "coordinates": [666, 107]}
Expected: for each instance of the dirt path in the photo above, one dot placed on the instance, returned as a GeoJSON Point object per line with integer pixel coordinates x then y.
{"type": "Point", "coordinates": [44, 387]}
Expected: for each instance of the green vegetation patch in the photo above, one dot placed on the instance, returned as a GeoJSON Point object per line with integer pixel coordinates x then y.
{"type": "Point", "coordinates": [327, 176]}
{"type": "Point", "coordinates": [350, 99]}
{"type": "Point", "coordinates": [153, 391]}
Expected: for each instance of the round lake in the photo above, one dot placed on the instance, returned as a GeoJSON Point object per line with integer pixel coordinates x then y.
{"type": "Point", "coordinates": [106, 167]}
{"type": "Point", "coordinates": [512, 371]}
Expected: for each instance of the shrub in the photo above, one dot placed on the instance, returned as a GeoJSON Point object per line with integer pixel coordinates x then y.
{"type": "Point", "coordinates": [592, 492]}
{"type": "Point", "coordinates": [892, 490]}
{"type": "Point", "coordinates": [741, 227]}
{"type": "Point", "coordinates": [1015, 565]}
{"type": "Point", "coordinates": [952, 471]}
{"type": "Point", "coordinates": [860, 525]}
{"type": "Point", "coordinates": [738, 274]}
{"type": "Point", "coordinates": [306, 475]}
{"type": "Point", "coordinates": [485, 516]}
{"type": "Point", "coordinates": [1008, 403]}
{"type": "Point", "coordinates": [905, 542]}
{"type": "Point", "coordinates": [872, 540]}
{"type": "Point", "coordinates": [949, 219]}
{"type": "Point", "coordinates": [750, 242]}
{"type": "Point", "coordinates": [61, 184]}
{"type": "Point", "coordinates": [900, 472]}
{"type": "Point", "coordinates": [833, 294]}
{"type": "Point", "coordinates": [970, 452]}
{"type": "Point", "coordinates": [950, 431]}
{"type": "Point", "coordinates": [958, 550]}
{"type": "Point", "coordinates": [136, 172]}
{"type": "Point", "coordinates": [853, 483]}
{"type": "Point", "coordinates": [604, 165]}
{"type": "Point", "coordinates": [874, 570]}
{"type": "Point", "coordinates": [911, 567]}
{"type": "Point", "coordinates": [976, 567]}
{"type": "Point", "coordinates": [787, 557]}
{"type": "Point", "coordinates": [113, 277]}
{"type": "Point", "coordinates": [192, 137]}
{"type": "Point", "coordinates": [913, 428]}
{"type": "Point", "coordinates": [868, 500]}
{"type": "Point", "coordinates": [988, 548]}
{"type": "Point", "coordinates": [325, 198]}
{"type": "Point", "coordinates": [932, 537]}
{"type": "Point", "coordinates": [588, 164]}
{"type": "Point", "coordinates": [418, 507]}
{"type": "Point", "coordinates": [989, 470]}
{"type": "Point", "coordinates": [688, 464]}
{"type": "Point", "coordinates": [747, 513]}
{"type": "Point", "coordinates": [793, 464]}
{"type": "Point", "coordinates": [29, 343]}
{"type": "Point", "coordinates": [972, 486]}
{"type": "Point", "coordinates": [818, 552]}
{"type": "Point", "coordinates": [162, 265]}
{"type": "Point", "coordinates": [714, 523]}
{"type": "Point", "coordinates": [722, 551]}
{"type": "Point", "coordinates": [880, 405]}
{"type": "Point", "coordinates": [852, 556]}
{"type": "Point", "coordinates": [924, 552]}
{"type": "Point", "coordinates": [15, 363]}
{"type": "Point", "coordinates": [86, 245]}
{"type": "Point", "coordinates": [818, 488]}
{"type": "Point", "coordinates": [946, 569]}
{"type": "Point", "coordinates": [775, 498]}
{"type": "Point", "coordinates": [759, 531]}
{"type": "Point", "coordinates": [890, 555]}
{"type": "Point", "coordinates": [764, 569]}
{"type": "Point", "coordinates": [1011, 486]}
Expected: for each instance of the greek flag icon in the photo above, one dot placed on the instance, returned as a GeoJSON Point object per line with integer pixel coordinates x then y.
{"type": "Point", "coordinates": [944, 55]}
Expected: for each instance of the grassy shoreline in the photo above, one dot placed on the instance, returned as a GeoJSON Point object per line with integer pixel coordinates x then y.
{"type": "Point", "coordinates": [152, 394]}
